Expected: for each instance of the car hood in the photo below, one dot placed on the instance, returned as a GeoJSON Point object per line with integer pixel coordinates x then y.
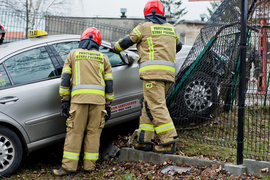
{"type": "Point", "coordinates": [181, 57]}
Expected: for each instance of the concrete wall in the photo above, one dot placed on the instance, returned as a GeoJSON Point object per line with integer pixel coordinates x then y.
{"type": "Point", "coordinates": [188, 31]}
{"type": "Point", "coordinates": [114, 28]}
{"type": "Point", "coordinates": [128, 23]}
{"type": "Point", "coordinates": [111, 29]}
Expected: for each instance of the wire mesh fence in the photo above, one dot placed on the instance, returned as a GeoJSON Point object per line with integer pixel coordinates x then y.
{"type": "Point", "coordinates": [18, 24]}
{"type": "Point", "coordinates": [203, 102]}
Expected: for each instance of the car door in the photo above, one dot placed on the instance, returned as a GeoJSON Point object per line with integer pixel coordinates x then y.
{"type": "Point", "coordinates": [32, 98]}
{"type": "Point", "coordinates": [127, 85]}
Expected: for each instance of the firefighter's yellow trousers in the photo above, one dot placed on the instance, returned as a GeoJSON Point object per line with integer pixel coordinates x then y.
{"type": "Point", "coordinates": [155, 117]}
{"type": "Point", "coordinates": [85, 121]}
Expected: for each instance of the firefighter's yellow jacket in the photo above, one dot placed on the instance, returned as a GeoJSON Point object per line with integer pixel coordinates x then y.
{"type": "Point", "coordinates": [76, 84]}
{"type": "Point", "coordinates": [157, 55]}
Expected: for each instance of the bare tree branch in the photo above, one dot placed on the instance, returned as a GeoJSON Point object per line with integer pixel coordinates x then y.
{"type": "Point", "coordinates": [34, 8]}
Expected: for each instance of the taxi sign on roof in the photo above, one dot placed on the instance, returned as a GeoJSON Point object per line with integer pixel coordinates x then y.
{"type": "Point", "coordinates": [37, 33]}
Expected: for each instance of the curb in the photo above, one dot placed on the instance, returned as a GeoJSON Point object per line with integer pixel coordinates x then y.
{"type": "Point", "coordinates": [257, 168]}
{"type": "Point", "coordinates": [128, 154]}
{"type": "Point", "coordinates": [250, 166]}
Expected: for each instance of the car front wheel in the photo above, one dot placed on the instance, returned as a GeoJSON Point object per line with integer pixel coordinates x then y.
{"type": "Point", "coordinates": [199, 95]}
{"type": "Point", "coordinates": [10, 151]}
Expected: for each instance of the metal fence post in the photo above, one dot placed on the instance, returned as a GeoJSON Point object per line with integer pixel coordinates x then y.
{"type": "Point", "coordinates": [242, 84]}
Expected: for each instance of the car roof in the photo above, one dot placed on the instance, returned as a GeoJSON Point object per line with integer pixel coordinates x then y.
{"type": "Point", "coordinates": [12, 47]}
{"type": "Point", "coordinates": [8, 48]}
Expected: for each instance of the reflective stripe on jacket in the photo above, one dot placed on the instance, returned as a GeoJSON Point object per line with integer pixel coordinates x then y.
{"type": "Point", "coordinates": [87, 78]}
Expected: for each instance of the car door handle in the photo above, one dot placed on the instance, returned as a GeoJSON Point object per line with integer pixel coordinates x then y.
{"type": "Point", "coordinates": [7, 99]}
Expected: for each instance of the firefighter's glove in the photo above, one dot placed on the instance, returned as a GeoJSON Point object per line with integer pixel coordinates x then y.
{"type": "Point", "coordinates": [65, 107]}
{"type": "Point", "coordinates": [108, 109]}
{"type": "Point", "coordinates": [114, 49]}
{"type": "Point", "coordinates": [113, 44]}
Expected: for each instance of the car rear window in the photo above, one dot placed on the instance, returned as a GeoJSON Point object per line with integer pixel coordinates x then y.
{"type": "Point", "coordinates": [4, 80]}
{"type": "Point", "coordinates": [64, 48]}
{"type": "Point", "coordinates": [29, 66]}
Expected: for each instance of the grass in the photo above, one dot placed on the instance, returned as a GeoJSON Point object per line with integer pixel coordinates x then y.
{"type": "Point", "coordinates": [221, 132]}
{"type": "Point", "coordinates": [189, 147]}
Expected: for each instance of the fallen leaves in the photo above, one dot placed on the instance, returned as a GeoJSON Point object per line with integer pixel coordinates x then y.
{"type": "Point", "coordinates": [145, 170]}
{"type": "Point", "coordinates": [264, 170]}
{"type": "Point", "coordinates": [39, 167]}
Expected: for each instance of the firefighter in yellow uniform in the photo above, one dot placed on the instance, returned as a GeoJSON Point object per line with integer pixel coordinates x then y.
{"type": "Point", "coordinates": [157, 45]}
{"type": "Point", "coordinates": [87, 84]}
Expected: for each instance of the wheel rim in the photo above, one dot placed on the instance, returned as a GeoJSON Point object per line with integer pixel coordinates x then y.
{"type": "Point", "coordinates": [198, 95]}
{"type": "Point", "coordinates": [7, 152]}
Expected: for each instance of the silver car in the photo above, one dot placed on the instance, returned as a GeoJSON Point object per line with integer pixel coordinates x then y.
{"type": "Point", "coordinates": [29, 100]}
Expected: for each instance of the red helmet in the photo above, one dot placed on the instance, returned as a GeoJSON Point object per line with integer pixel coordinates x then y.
{"type": "Point", "coordinates": [2, 29]}
{"type": "Point", "coordinates": [94, 32]}
{"type": "Point", "coordinates": [154, 4]}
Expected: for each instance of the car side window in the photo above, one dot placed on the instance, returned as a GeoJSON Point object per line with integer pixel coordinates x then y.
{"type": "Point", "coordinates": [114, 58]}
{"type": "Point", "coordinates": [64, 48]}
{"type": "Point", "coordinates": [28, 66]}
{"type": "Point", "coordinates": [4, 80]}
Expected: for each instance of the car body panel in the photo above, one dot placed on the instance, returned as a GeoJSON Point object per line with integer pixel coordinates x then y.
{"type": "Point", "coordinates": [181, 56]}
{"type": "Point", "coordinates": [39, 117]}
{"type": "Point", "coordinates": [34, 106]}
{"type": "Point", "coordinates": [4, 119]}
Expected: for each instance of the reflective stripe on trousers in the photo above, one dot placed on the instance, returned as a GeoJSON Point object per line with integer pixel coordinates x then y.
{"type": "Point", "coordinates": [71, 155]}
{"type": "Point", "coordinates": [146, 127]}
{"type": "Point", "coordinates": [91, 156]}
{"type": "Point", "coordinates": [164, 127]}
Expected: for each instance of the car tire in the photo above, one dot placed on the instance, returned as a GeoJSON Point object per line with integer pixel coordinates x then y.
{"type": "Point", "coordinates": [10, 151]}
{"type": "Point", "coordinates": [198, 96]}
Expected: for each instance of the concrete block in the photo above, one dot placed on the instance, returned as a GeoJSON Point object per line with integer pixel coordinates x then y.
{"type": "Point", "coordinates": [257, 168]}
{"type": "Point", "coordinates": [192, 161]}
{"type": "Point", "coordinates": [157, 158]}
{"type": "Point", "coordinates": [110, 151]}
{"type": "Point", "coordinates": [123, 155]}
{"type": "Point", "coordinates": [235, 169]}
{"type": "Point", "coordinates": [171, 169]}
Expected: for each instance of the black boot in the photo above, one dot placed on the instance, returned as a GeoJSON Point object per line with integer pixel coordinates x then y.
{"type": "Point", "coordinates": [165, 149]}
{"type": "Point", "coordinates": [61, 172]}
{"type": "Point", "coordinates": [145, 146]}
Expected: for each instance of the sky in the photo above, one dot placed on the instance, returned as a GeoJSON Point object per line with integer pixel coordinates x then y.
{"type": "Point", "coordinates": [111, 8]}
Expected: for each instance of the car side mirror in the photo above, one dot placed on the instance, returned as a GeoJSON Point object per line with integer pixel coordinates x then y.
{"type": "Point", "coordinates": [124, 57]}
{"type": "Point", "coordinates": [127, 59]}
{"type": "Point", "coordinates": [132, 58]}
